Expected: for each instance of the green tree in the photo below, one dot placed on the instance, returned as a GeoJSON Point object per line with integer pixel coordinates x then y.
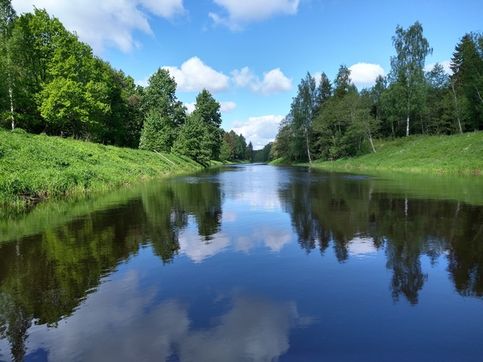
{"type": "Point", "coordinates": [225, 149]}
{"type": "Point", "coordinates": [282, 146]}
{"type": "Point", "coordinates": [249, 153]}
{"type": "Point", "coordinates": [407, 69]}
{"type": "Point", "coordinates": [194, 140]}
{"type": "Point", "coordinates": [208, 110]}
{"type": "Point", "coordinates": [158, 134]}
{"type": "Point", "coordinates": [342, 82]}
{"type": "Point", "coordinates": [240, 147]}
{"type": "Point", "coordinates": [304, 107]}
{"type": "Point", "coordinates": [325, 89]}
{"type": "Point", "coordinates": [7, 19]}
{"type": "Point", "coordinates": [439, 111]}
{"type": "Point", "coordinates": [467, 79]}
{"type": "Point", "coordinates": [165, 114]}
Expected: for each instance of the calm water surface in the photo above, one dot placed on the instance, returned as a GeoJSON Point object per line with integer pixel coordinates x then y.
{"type": "Point", "coordinates": [251, 263]}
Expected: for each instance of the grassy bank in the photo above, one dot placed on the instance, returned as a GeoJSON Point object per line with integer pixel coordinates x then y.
{"type": "Point", "coordinates": [36, 167]}
{"type": "Point", "coordinates": [455, 155]}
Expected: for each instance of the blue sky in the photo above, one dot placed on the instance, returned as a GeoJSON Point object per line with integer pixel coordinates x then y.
{"type": "Point", "coordinates": [252, 53]}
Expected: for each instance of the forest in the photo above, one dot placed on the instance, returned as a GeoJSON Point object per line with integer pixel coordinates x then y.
{"type": "Point", "coordinates": [334, 120]}
{"type": "Point", "coordinates": [52, 83]}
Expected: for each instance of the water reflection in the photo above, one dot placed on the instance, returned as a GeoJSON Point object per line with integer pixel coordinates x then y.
{"type": "Point", "coordinates": [71, 280]}
{"type": "Point", "coordinates": [337, 210]}
{"type": "Point", "coordinates": [141, 328]}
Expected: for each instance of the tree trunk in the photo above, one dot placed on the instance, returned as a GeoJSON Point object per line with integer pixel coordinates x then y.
{"type": "Point", "coordinates": [372, 143]}
{"type": "Point", "coordinates": [12, 116]}
{"type": "Point", "coordinates": [456, 108]}
{"type": "Point", "coordinates": [479, 95]}
{"type": "Point", "coordinates": [407, 125]}
{"type": "Point", "coordinates": [308, 146]}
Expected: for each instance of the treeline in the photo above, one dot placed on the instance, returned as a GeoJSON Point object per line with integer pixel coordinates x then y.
{"type": "Point", "coordinates": [51, 83]}
{"type": "Point", "coordinates": [334, 120]}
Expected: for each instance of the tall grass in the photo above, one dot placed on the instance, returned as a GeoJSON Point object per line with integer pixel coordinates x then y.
{"type": "Point", "coordinates": [36, 167]}
{"type": "Point", "coordinates": [456, 155]}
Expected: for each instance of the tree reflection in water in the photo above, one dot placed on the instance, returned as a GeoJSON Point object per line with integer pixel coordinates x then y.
{"type": "Point", "coordinates": [47, 276]}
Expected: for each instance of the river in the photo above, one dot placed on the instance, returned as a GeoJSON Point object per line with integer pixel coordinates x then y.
{"type": "Point", "coordinates": [249, 263]}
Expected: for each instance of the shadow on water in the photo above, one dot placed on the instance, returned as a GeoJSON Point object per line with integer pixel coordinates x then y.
{"type": "Point", "coordinates": [53, 260]}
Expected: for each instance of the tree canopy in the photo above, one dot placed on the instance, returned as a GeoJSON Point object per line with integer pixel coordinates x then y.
{"type": "Point", "coordinates": [331, 122]}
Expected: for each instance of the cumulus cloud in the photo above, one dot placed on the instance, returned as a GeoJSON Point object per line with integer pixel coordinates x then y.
{"type": "Point", "coordinates": [239, 13]}
{"type": "Point", "coordinates": [227, 107]}
{"type": "Point", "coordinates": [259, 130]}
{"type": "Point", "coordinates": [190, 107]}
{"type": "Point", "coordinates": [365, 74]}
{"type": "Point", "coordinates": [133, 325]}
{"type": "Point", "coordinates": [361, 247]}
{"type": "Point", "coordinates": [273, 81]}
{"type": "Point", "coordinates": [194, 75]}
{"type": "Point", "coordinates": [107, 23]}
{"type": "Point", "coordinates": [446, 66]}
{"type": "Point", "coordinates": [194, 247]}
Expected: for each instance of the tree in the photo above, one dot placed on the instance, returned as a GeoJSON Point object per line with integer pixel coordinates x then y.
{"type": "Point", "coordinates": [324, 91]}
{"type": "Point", "coordinates": [440, 110]}
{"type": "Point", "coordinates": [249, 153]}
{"type": "Point", "coordinates": [163, 110]}
{"type": "Point", "coordinates": [282, 145]}
{"type": "Point", "coordinates": [7, 18]}
{"type": "Point", "coordinates": [343, 82]}
{"type": "Point", "coordinates": [209, 112]}
{"type": "Point", "coordinates": [225, 149]}
{"type": "Point", "coordinates": [240, 147]}
{"type": "Point", "coordinates": [263, 155]}
{"type": "Point", "coordinates": [467, 78]}
{"type": "Point", "coordinates": [75, 98]}
{"type": "Point", "coordinates": [194, 140]}
{"type": "Point", "coordinates": [302, 112]}
{"type": "Point", "coordinates": [407, 68]}
{"type": "Point", "coordinates": [157, 134]}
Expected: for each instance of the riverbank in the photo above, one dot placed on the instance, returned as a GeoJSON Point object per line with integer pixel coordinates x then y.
{"type": "Point", "coordinates": [452, 155]}
{"type": "Point", "coordinates": [38, 167]}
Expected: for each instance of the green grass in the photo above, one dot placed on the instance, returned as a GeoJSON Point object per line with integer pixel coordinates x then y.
{"type": "Point", "coordinates": [455, 155]}
{"type": "Point", "coordinates": [280, 162]}
{"type": "Point", "coordinates": [37, 167]}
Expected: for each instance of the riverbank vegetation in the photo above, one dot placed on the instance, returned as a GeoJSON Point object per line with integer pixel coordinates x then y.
{"type": "Point", "coordinates": [330, 121]}
{"type": "Point", "coordinates": [457, 154]}
{"type": "Point", "coordinates": [52, 84]}
{"type": "Point", "coordinates": [41, 166]}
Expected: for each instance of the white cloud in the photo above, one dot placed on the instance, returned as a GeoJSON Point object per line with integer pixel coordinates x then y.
{"type": "Point", "coordinates": [365, 74]}
{"type": "Point", "coordinates": [164, 8]}
{"type": "Point", "coordinates": [227, 107]}
{"type": "Point", "coordinates": [106, 23]}
{"type": "Point", "coordinates": [133, 324]}
{"type": "Point", "coordinates": [273, 81]}
{"type": "Point", "coordinates": [361, 247]}
{"type": "Point", "coordinates": [239, 13]}
{"type": "Point", "coordinates": [194, 247]}
{"type": "Point", "coordinates": [194, 75]}
{"type": "Point", "coordinates": [259, 130]}
{"type": "Point", "coordinates": [190, 107]}
{"type": "Point", "coordinates": [446, 66]}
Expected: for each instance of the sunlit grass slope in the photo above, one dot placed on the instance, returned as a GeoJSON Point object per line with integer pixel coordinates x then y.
{"type": "Point", "coordinates": [35, 167]}
{"type": "Point", "coordinates": [458, 154]}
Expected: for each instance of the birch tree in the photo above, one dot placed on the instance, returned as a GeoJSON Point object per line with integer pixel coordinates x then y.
{"type": "Point", "coordinates": [407, 68]}
{"type": "Point", "coordinates": [7, 18]}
